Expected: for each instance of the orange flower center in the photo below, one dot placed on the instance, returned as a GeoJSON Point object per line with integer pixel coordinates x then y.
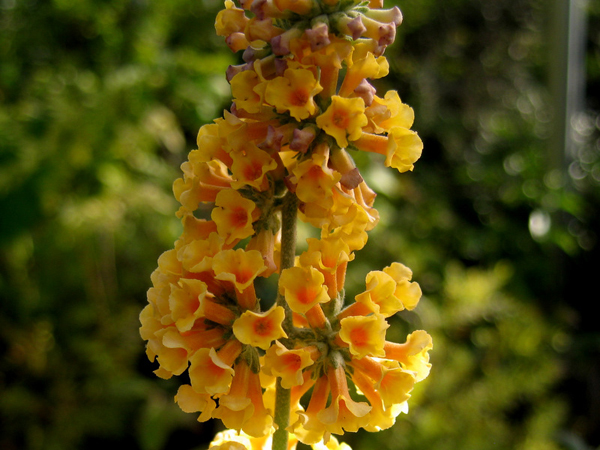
{"type": "Point", "coordinates": [306, 295]}
{"type": "Point", "coordinates": [239, 218]}
{"type": "Point", "coordinates": [359, 336]}
{"type": "Point", "coordinates": [292, 361]}
{"type": "Point", "coordinates": [263, 327]}
{"type": "Point", "coordinates": [299, 97]}
{"type": "Point", "coordinates": [340, 119]}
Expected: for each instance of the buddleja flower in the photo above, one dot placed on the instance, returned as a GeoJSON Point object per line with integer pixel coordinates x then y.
{"type": "Point", "coordinates": [303, 104]}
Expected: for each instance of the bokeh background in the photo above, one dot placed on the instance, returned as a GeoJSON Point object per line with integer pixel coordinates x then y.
{"type": "Point", "coordinates": [100, 101]}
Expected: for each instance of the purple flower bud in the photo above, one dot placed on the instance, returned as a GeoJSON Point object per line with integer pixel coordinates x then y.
{"type": "Point", "coordinates": [301, 139]}
{"type": "Point", "coordinates": [351, 179]}
{"type": "Point", "coordinates": [365, 91]}
{"type": "Point", "coordinates": [273, 139]}
{"type": "Point", "coordinates": [318, 36]}
{"type": "Point", "coordinates": [356, 27]}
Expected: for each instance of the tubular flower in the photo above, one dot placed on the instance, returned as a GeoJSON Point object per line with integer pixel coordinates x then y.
{"type": "Point", "coordinates": [343, 119]}
{"type": "Point", "coordinates": [289, 364]}
{"type": "Point", "coordinates": [313, 363]}
{"type": "Point", "coordinates": [364, 334]}
{"type": "Point", "coordinates": [233, 215]}
{"type": "Point", "coordinates": [294, 93]}
{"type": "Point", "coordinates": [260, 329]}
{"type": "Point", "coordinates": [303, 288]}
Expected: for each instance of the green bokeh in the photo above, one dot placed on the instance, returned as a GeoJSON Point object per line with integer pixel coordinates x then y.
{"type": "Point", "coordinates": [100, 103]}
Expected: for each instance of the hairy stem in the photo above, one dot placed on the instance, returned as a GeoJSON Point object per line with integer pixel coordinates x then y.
{"type": "Point", "coordinates": [288, 253]}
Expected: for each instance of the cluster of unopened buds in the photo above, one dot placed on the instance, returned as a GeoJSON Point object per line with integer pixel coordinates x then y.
{"type": "Point", "coordinates": [307, 363]}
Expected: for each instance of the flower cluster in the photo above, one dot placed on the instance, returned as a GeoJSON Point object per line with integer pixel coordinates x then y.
{"type": "Point", "coordinates": [302, 103]}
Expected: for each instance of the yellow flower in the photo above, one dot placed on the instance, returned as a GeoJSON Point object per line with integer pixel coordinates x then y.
{"type": "Point", "coordinates": [343, 414]}
{"type": "Point", "coordinates": [395, 386]}
{"type": "Point", "coordinates": [364, 65]}
{"type": "Point", "coordinates": [413, 354]}
{"type": "Point", "coordinates": [289, 364]}
{"type": "Point", "coordinates": [308, 428]}
{"type": "Point", "coordinates": [191, 401]}
{"type": "Point", "coordinates": [343, 119]}
{"type": "Point", "coordinates": [250, 167]}
{"type": "Point", "coordinates": [230, 20]}
{"type": "Point", "coordinates": [404, 148]}
{"type": "Point", "coordinates": [314, 179]}
{"type": "Point", "coordinates": [409, 293]}
{"type": "Point", "coordinates": [303, 288]}
{"type": "Point", "coordinates": [242, 408]}
{"type": "Point", "coordinates": [197, 255]}
{"type": "Point", "coordinates": [233, 215]}
{"type": "Point", "coordinates": [240, 268]}
{"type": "Point", "coordinates": [294, 92]}
{"type": "Point", "coordinates": [389, 112]}
{"type": "Point", "coordinates": [247, 88]}
{"type": "Point", "coordinates": [184, 302]}
{"type": "Point", "coordinates": [381, 418]}
{"type": "Point", "coordinates": [211, 372]}
{"type": "Point", "coordinates": [364, 334]}
{"type": "Point", "coordinates": [380, 294]}
{"type": "Point", "coordinates": [260, 329]}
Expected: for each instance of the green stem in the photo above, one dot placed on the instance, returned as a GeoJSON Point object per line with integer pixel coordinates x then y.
{"type": "Point", "coordinates": [289, 214]}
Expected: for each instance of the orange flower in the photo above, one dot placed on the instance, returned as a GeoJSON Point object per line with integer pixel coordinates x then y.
{"type": "Point", "coordinates": [408, 292]}
{"type": "Point", "coordinates": [364, 334]}
{"type": "Point", "coordinates": [211, 372]}
{"type": "Point", "coordinates": [314, 179]}
{"type": "Point", "coordinates": [413, 354]}
{"type": "Point", "coordinates": [250, 167]}
{"type": "Point", "coordinates": [294, 92]}
{"type": "Point", "coordinates": [247, 89]}
{"type": "Point", "coordinates": [260, 329]}
{"type": "Point", "coordinates": [184, 302]}
{"type": "Point", "coordinates": [289, 364]}
{"type": "Point", "coordinates": [344, 414]}
{"type": "Point", "coordinates": [343, 119]}
{"type": "Point", "coordinates": [240, 268]}
{"type": "Point", "coordinates": [308, 428]}
{"type": "Point", "coordinates": [234, 215]}
{"type": "Point", "coordinates": [303, 288]}
{"type": "Point", "coordinates": [191, 401]}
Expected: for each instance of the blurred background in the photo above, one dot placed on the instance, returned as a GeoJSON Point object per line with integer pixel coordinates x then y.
{"type": "Point", "coordinates": [100, 102]}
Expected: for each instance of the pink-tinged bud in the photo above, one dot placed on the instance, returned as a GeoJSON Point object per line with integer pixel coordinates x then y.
{"type": "Point", "coordinates": [382, 33]}
{"type": "Point", "coordinates": [387, 34]}
{"type": "Point", "coordinates": [273, 139]}
{"type": "Point", "coordinates": [252, 54]}
{"type": "Point", "coordinates": [237, 41]}
{"type": "Point", "coordinates": [258, 9]}
{"type": "Point", "coordinates": [249, 54]}
{"type": "Point", "coordinates": [232, 71]}
{"type": "Point", "coordinates": [302, 138]}
{"type": "Point", "coordinates": [318, 36]}
{"type": "Point", "coordinates": [351, 179]}
{"type": "Point", "coordinates": [265, 9]}
{"type": "Point", "coordinates": [393, 15]}
{"type": "Point", "coordinates": [356, 27]}
{"type": "Point", "coordinates": [349, 25]}
{"type": "Point", "coordinates": [281, 44]}
{"type": "Point", "coordinates": [342, 162]}
{"type": "Point", "coordinates": [281, 66]}
{"type": "Point", "coordinates": [365, 91]}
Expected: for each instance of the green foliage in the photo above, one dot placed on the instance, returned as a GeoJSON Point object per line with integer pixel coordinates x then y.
{"type": "Point", "coordinates": [101, 101]}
